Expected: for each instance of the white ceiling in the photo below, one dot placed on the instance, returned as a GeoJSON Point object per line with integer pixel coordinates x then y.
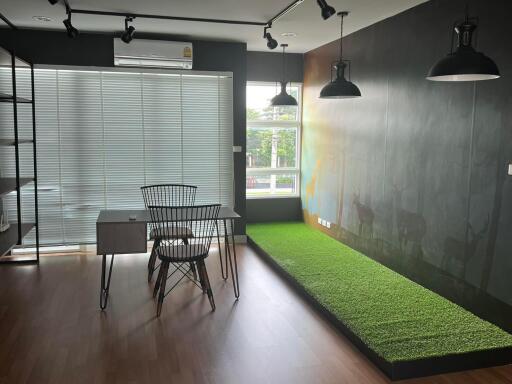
{"type": "Point", "coordinates": [312, 31]}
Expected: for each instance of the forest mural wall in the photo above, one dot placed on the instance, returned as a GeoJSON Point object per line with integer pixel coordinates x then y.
{"type": "Point", "coordinates": [414, 173]}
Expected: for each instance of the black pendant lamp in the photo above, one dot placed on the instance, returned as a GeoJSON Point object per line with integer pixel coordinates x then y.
{"type": "Point", "coordinates": [465, 64]}
{"type": "Point", "coordinates": [283, 99]}
{"type": "Point", "coordinates": [340, 88]}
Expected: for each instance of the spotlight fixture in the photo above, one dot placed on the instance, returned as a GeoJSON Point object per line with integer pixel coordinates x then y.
{"type": "Point", "coordinates": [327, 10]}
{"type": "Point", "coordinates": [71, 31]}
{"type": "Point", "coordinates": [465, 64]}
{"type": "Point", "coordinates": [129, 31]}
{"type": "Point", "coordinates": [341, 88]}
{"type": "Point", "coordinates": [283, 99]}
{"type": "Point", "coordinates": [271, 42]}
{"type": "Point", "coordinates": [53, 2]}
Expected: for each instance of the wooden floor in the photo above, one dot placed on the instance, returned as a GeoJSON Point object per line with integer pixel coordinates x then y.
{"type": "Point", "coordinates": [52, 331]}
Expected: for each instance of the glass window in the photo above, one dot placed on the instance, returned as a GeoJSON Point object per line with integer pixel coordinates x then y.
{"type": "Point", "coordinates": [273, 142]}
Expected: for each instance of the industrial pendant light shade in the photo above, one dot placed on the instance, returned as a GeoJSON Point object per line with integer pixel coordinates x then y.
{"type": "Point", "coordinates": [465, 64]}
{"type": "Point", "coordinates": [283, 98]}
{"type": "Point", "coordinates": [340, 88]}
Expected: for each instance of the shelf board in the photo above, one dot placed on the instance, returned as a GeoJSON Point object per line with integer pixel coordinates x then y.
{"type": "Point", "coordinates": [5, 98]}
{"type": "Point", "coordinates": [11, 142]}
{"type": "Point", "coordinates": [9, 238]}
{"type": "Point", "coordinates": [8, 184]}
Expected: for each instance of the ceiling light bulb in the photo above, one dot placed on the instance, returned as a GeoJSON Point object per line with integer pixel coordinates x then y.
{"type": "Point", "coordinates": [41, 18]}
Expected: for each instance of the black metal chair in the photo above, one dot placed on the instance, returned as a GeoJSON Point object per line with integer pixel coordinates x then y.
{"type": "Point", "coordinates": [170, 195]}
{"type": "Point", "coordinates": [201, 220]}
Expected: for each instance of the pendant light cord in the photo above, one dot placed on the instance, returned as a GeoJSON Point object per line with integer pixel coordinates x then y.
{"type": "Point", "coordinates": [341, 38]}
{"type": "Point", "coordinates": [284, 58]}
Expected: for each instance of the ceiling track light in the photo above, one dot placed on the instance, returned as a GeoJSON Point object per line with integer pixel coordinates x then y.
{"type": "Point", "coordinates": [326, 9]}
{"type": "Point", "coordinates": [283, 98]}
{"type": "Point", "coordinates": [465, 64]}
{"type": "Point", "coordinates": [71, 31]}
{"type": "Point", "coordinates": [271, 42]}
{"type": "Point", "coordinates": [129, 31]}
{"type": "Point", "coordinates": [340, 88]}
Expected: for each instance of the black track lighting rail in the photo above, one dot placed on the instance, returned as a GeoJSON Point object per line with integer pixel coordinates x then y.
{"type": "Point", "coordinates": [268, 23]}
{"type": "Point", "coordinates": [8, 22]}
{"type": "Point", "coordinates": [288, 9]}
{"type": "Point", "coordinates": [327, 11]}
{"type": "Point", "coordinates": [165, 17]}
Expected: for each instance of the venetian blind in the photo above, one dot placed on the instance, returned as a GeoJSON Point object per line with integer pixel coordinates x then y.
{"type": "Point", "coordinates": [103, 134]}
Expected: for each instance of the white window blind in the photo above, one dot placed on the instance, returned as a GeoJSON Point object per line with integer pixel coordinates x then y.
{"type": "Point", "coordinates": [103, 134]}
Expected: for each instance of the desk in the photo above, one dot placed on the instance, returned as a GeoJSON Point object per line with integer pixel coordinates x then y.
{"type": "Point", "coordinates": [117, 234]}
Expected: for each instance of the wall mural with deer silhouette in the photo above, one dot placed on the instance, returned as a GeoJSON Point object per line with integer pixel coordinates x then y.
{"type": "Point", "coordinates": [414, 173]}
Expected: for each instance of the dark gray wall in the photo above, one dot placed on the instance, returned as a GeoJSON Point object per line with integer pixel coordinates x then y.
{"type": "Point", "coordinates": [267, 66]}
{"type": "Point", "coordinates": [268, 210]}
{"type": "Point", "coordinates": [427, 161]}
{"type": "Point", "coordinates": [55, 48]}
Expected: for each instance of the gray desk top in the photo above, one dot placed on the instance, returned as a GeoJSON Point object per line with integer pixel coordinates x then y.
{"type": "Point", "coordinates": [119, 216]}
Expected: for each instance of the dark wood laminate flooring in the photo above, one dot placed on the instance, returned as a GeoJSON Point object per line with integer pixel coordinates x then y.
{"type": "Point", "coordinates": [52, 331]}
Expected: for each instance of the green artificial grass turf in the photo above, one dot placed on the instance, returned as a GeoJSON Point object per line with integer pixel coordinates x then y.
{"type": "Point", "coordinates": [397, 318]}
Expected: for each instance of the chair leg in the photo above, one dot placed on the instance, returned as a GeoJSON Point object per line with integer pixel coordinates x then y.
{"type": "Point", "coordinates": [192, 265]}
{"type": "Point", "coordinates": [193, 270]}
{"type": "Point", "coordinates": [159, 280]}
{"type": "Point", "coordinates": [201, 278]}
{"type": "Point", "coordinates": [163, 281]}
{"type": "Point", "coordinates": [152, 259]}
{"type": "Point", "coordinates": [206, 281]}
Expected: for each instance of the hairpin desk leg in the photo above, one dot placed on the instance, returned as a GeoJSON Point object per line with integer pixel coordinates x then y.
{"type": "Point", "coordinates": [223, 271]}
{"type": "Point", "coordinates": [232, 260]}
{"type": "Point", "coordinates": [105, 284]}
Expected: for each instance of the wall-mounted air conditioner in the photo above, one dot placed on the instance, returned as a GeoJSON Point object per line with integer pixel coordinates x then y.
{"type": "Point", "coordinates": [153, 53]}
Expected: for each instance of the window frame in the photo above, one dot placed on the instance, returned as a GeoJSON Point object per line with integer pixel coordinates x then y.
{"type": "Point", "coordinates": [279, 124]}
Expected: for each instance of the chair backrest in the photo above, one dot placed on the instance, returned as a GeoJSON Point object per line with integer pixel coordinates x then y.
{"type": "Point", "coordinates": [170, 195]}
{"type": "Point", "coordinates": [199, 221]}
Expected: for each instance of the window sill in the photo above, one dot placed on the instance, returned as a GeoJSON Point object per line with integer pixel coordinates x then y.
{"type": "Point", "coordinates": [265, 197]}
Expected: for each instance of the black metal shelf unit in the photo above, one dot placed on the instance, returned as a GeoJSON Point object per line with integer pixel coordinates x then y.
{"type": "Point", "coordinates": [18, 229]}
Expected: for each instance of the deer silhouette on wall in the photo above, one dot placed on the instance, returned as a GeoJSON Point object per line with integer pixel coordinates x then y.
{"type": "Point", "coordinates": [365, 215]}
{"type": "Point", "coordinates": [411, 226]}
{"type": "Point", "coordinates": [458, 253]}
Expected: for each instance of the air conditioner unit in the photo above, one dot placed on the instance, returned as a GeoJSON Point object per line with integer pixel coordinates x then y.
{"type": "Point", "coordinates": [153, 53]}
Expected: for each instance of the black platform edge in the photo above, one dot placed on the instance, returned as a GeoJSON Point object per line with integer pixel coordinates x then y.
{"type": "Point", "coordinates": [394, 370]}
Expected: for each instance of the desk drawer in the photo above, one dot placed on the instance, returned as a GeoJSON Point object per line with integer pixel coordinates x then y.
{"type": "Point", "coordinates": [121, 238]}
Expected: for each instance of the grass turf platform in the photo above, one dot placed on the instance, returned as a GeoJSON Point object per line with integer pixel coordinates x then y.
{"type": "Point", "coordinates": [406, 329]}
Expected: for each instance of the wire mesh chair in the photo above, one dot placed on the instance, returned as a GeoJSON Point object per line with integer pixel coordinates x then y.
{"type": "Point", "coordinates": [201, 220]}
{"type": "Point", "coordinates": [170, 195]}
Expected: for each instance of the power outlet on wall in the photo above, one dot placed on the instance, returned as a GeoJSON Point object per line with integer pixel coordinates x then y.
{"type": "Point", "coordinates": [324, 223]}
